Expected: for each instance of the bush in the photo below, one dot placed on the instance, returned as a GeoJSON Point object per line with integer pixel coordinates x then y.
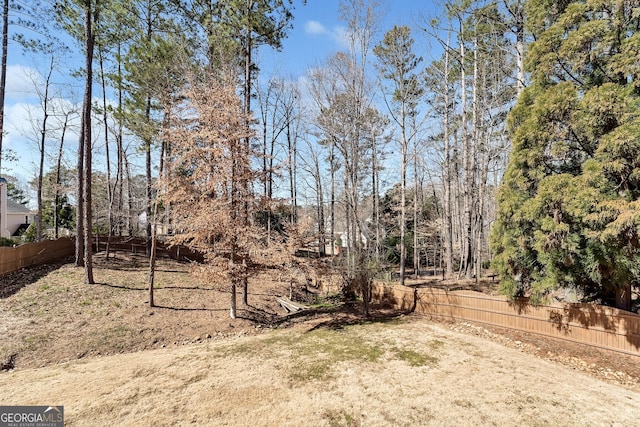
{"type": "Point", "coordinates": [30, 233]}
{"type": "Point", "coordinates": [7, 242]}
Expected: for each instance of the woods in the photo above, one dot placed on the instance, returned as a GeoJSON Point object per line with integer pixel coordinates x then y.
{"type": "Point", "coordinates": [483, 136]}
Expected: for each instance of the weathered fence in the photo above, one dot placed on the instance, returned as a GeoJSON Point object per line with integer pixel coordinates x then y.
{"type": "Point", "coordinates": [30, 254]}
{"type": "Point", "coordinates": [27, 255]}
{"type": "Point", "coordinates": [139, 245]}
{"type": "Point", "coordinates": [595, 325]}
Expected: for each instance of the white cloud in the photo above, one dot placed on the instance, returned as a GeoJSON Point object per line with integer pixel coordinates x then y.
{"type": "Point", "coordinates": [22, 126]}
{"type": "Point", "coordinates": [314, 27]}
{"type": "Point", "coordinates": [21, 81]}
{"type": "Point", "coordinates": [337, 34]}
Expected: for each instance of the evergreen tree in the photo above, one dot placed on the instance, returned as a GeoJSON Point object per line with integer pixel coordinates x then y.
{"type": "Point", "coordinates": [569, 214]}
{"type": "Point", "coordinates": [14, 192]}
{"type": "Point", "coordinates": [398, 66]}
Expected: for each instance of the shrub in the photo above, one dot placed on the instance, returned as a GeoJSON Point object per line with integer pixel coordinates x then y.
{"type": "Point", "coordinates": [7, 242]}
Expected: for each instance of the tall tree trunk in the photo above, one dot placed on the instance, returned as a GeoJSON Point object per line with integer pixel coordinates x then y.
{"type": "Point", "coordinates": [56, 201]}
{"type": "Point", "coordinates": [375, 184]}
{"type": "Point", "coordinates": [247, 111]}
{"type": "Point", "coordinates": [3, 70]}
{"type": "Point", "coordinates": [149, 182]}
{"type": "Point", "coordinates": [291, 145]}
{"type": "Point", "coordinates": [480, 229]}
{"type": "Point", "coordinates": [465, 264]}
{"type": "Point", "coordinates": [120, 148]}
{"type": "Point", "coordinates": [515, 14]}
{"type": "Point", "coordinates": [403, 196]}
{"type": "Point", "coordinates": [332, 202]}
{"type": "Point", "coordinates": [43, 138]}
{"type": "Point", "coordinates": [79, 262]}
{"type": "Point", "coordinates": [154, 233]}
{"type": "Point", "coordinates": [147, 148]}
{"type": "Point", "coordinates": [448, 214]}
{"type": "Point", "coordinates": [88, 251]}
{"type": "Point", "coordinates": [234, 214]}
{"type": "Point", "coordinates": [232, 302]}
{"type": "Point", "coordinates": [265, 171]}
{"type": "Point", "coordinates": [110, 189]}
{"type": "Point", "coordinates": [416, 220]}
{"type": "Point", "coordinates": [152, 257]}
{"type": "Point", "coordinates": [320, 209]}
{"type": "Point", "coordinates": [473, 164]}
{"type": "Point", "coordinates": [130, 211]}
{"type": "Point", "coordinates": [272, 147]}
{"type": "Point", "coordinates": [248, 66]}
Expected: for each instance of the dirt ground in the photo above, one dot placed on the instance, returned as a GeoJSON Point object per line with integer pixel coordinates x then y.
{"type": "Point", "coordinates": [100, 351]}
{"type": "Point", "coordinates": [403, 372]}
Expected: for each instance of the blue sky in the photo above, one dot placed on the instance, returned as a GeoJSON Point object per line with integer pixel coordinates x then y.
{"type": "Point", "coordinates": [317, 33]}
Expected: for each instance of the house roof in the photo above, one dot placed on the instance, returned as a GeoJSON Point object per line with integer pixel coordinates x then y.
{"type": "Point", "coordinates": [16, 208]}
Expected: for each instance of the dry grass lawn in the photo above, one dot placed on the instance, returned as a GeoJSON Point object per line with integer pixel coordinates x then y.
{"type": "Point", "coordinates": [100, 351]}
{"type": "Point", "coordinates": [403, 372]}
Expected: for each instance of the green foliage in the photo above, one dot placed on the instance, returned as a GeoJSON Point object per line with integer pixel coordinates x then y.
{"type": "Point", "coordinates": [30, 233]}
{"type": "Point", "coordinates": [15, 192]}
{"type": "Point", "coordinates": [398, 65]}
{"type": "Point", "coordinates": [66, 213]}
{"type": "Point", "coordinates": [7, 242]}
{"type": "Point", "coordinates": [390, 218]}
{"type": "Point", "coordinates": [569, 214]}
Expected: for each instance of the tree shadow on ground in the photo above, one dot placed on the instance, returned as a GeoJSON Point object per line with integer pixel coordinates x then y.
{"type": "Point", "coordinates": [342, 320]}
{"type": "Point", "coordinates": [185, 288]}
{"type": "Point", "coordinates": [257, 315]}
{"type": "Point", "coordinates": [11, 283]}
{"type": "Point", "coordinates": [126, 288]}
{"type": "Point", "coordinates": [167, 307]}
{"type": "Point", "coordinates": [337, 317]}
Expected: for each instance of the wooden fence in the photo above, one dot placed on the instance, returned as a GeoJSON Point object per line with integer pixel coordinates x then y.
{"type": "Point", "coordinates": [30, 254]}
{"type": "Point", "coordinates": [138, 245]}
{"type": "Point", "coordinates": [27, 255]}
{"type": "Point", "coordinates": [595, 325]}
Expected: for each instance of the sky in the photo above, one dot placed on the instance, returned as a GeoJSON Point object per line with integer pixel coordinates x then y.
{"type": "Point", "coordinates": [317, 34]}
{"type": "Point", "coordinates": [318, 31]}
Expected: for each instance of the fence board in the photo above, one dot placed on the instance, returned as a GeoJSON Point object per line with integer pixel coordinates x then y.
{"type": "Point", "coordinates": [138, 245]}
{"type": "Point", "coordinates": [38, 253]}
{"type": "Point", "coordinates": [30, 254]}
{"type": "Point", "coordinates": [590, 324]}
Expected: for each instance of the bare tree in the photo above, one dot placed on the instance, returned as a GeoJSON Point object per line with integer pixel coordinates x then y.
{"type": "Point", "coordinates": [65, 123]}
{"type": "Point", "coordinates": [43, 87]}
{"type": "Point", "coordinates": [311, 162]}
{"type": "Point", "coordinates": [398, 65]}
{"type": "Point", "coordinates": [207, 169]}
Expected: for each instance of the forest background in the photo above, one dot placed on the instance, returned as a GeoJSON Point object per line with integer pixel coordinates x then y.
{"type": "Point", "coordinates": [390, 150]}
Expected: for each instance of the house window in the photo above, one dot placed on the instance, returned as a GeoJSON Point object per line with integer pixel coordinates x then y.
{"type": "Point", "coordinates": [26, 219]}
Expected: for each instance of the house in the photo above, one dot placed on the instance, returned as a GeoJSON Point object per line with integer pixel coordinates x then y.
{"type": "Point", "coordinates": [342, 241]}
{"type": "Point", "coordinates": [13, 216]}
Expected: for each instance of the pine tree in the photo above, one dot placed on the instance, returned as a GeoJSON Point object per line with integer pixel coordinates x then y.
{"type": "Point", "coordinates": [398, 65]}
{"type": "Point", "coordinates": [569, 214]}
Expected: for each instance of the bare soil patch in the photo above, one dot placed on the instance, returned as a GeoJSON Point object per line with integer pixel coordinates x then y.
{"type": "Point", "coordinates": [50, 316]}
